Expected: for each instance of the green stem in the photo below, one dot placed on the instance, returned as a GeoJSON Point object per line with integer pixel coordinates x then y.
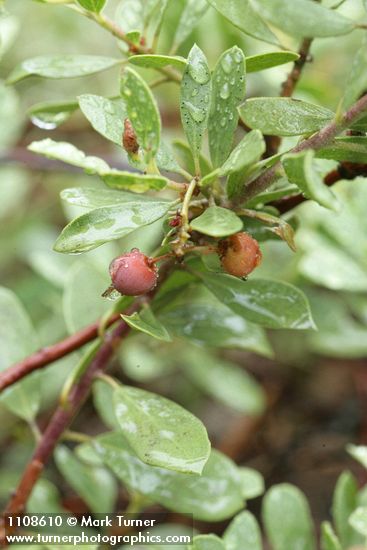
{"type": "Point", "coordinates": [109, 380]}
{"type": "Point", "coordinates": [78, 437]}
{"type": "Point", "coordinates": [186, 204]}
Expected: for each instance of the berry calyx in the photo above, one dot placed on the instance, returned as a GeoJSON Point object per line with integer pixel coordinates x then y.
{"type": "Point", "coordinates": [133, 273]}
{"type": "Point", "coordinates": [239, 254]}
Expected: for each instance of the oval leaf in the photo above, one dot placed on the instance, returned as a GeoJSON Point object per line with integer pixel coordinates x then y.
{"type": "Point", "coordinates": [161, 432]}
{"type": "Point", "coordinates": [105, 115]}
{"type": "Point", "coordinates": [51, 114]}
{"type": "Point", "coordinates": [207, 542]}
{"type": "Point", "coordinates": [229, 86]}
{"type": "Point", "coordinates": [195, 100]}
{"type": "Point", "coordinates": [92, 5]}
{"type": "Point", "coordinates": [268, 60]}
{"type": "Point", "coordinates": [345, 501]}
{"type": "Point", "coordinates": [183, 493]}
{"type": "Point", "coordinates": [189, 19]}
{"type": "Point", "coordinates": [283, 116]}
{"type": "Point", "coordinates": [154, 61]}
{"type": "Point", "coordinates": [243, 533]}
{"type": "Point", "coordinates": [142, 111]}
{"type": "Point", "coordinates": [91, 197]}
{"type": "Point", "coordinates": [146, 322]}
{"type": "Point", "coordinates": [139, 183]}
{"type": "Point", "coordinates": [272, 304]}
{"type": "Point", "coordinates": [217, 222]}
{"type": "Point", "coordinates": [329, 540]}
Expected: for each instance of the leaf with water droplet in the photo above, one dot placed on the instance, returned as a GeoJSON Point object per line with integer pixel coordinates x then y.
{"type": "Point", "coordinates": [268, 60]}
{"type": "Point", "coordinates": [139, 183]}
{"type": "Point", "coordinates": [61, 66]}
{"type": "Point", "coordinates": [271, 304]}
{"type": "Point", "coordinates": [145, 321]}
{"type": "Point", "coordinates": [51, 114]}
{"type": "Point", "coordinates": [301, 170]}
{"type": "Point", "coordinates": [105, 115]}
{"type": "Point", "coordinates": [229, 86]}
{"type": "Point", "coordinates": [357, 80]}
{"type": "Point", "coordinates": [142, 110]}
{"type": "Point", "coordinates": [284, 116]}
{"type": "Point", "coordinates": [217, 222]}
{"type": "Point", "coordinates": [92, 197]}
{"type": "Point", "coordinates": [302, 18]}
{"type": "Point", "coordinates": [160, 432]}
{"type": "Point", "coordinates": [154, 61]}
{"type": "Point", "coordinates": [189, 19]}
{"type": "Point", "coordinates": [166, 160]}
{"type": "Point", "coordinates": [195, 107]}
{"type": "Point", "coordinates": [108, 223]}
{"type": "Point", "coordinates": [242, 15]}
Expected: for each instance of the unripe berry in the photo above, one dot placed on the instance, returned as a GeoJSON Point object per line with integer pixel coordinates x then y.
{"type": "Point", "coordinates": [239, 254]}
{"type": "Point", "coordinates": [133, 273]}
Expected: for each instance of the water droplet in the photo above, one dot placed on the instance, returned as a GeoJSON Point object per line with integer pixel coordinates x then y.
{"type": "Point", "coordinates": [227, 63]}
{"type": "Point", "coordinates": [238, 57]}
{"type": "Point", "coordinates": [233, 80]}
{"type": "Point", "coordinates": [194, 92]}
{"type": "Point", "coordinates": [223, 122]}
{"type": "Point", "coordinates": [127, 92]}
{"type": "Point", "coordinates": [230, 116]}
{"type": "Point", "coordinates": [224, 92]}
{"type": "Point", "coordinates": [199, 71]}
{"type": "Point", "coordinates": [43, 124]}
{"type": "Point", "coordinates": [196, 113]}
{"type": "Point", "coordinates": [134, 114]}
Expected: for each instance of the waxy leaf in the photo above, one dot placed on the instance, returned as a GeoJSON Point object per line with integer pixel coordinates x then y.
{"type": "Point", "coordinates": [241, 160]}
{"type": "Point", "coordinates": [166, 160]}
{"type": "Point", "coordinates": [346, 149]}
{"type": "Point", "coordinates": [286, 505]}
{"type": "Point", "coordinates": [358, 452]}
{"type": "Point", "coordinates": [139, 183]}
{"type": "Point", "coordinates": [302, 18]}
{"type": "Point", "coordinates": [243, 533]}
{"type": "Point", "coordinates": [189, 19]}
{"type": "Point", "coordinates": [300, 170]}
{"type": "Point", "coordinates": [91, 197]}
{"type": "Point", "coordinates": [207, 542]}
{"type": "Point", "coordinates": [103, 403]}
{"type": "Point", "coordinates": [357, 81]}
{"type": "Point", "coordinates": [271, 304]}
{"type": "Point", "coordinates": [66, 152]}
{"type": "Point", "coordinates": [154, 61]}
{"type": "Point", "coordinates": [242, 15]}
{"type": "Point", "coordinates": [129, 15]}
{"type": "Point", "coordinates": [92, 5]}
{"type": "Point", "coordinates": [252, 483]}
{"type": "Point", "coordinates": [224, 381]}
{"type": "Point", "coordinates": [228, 90]}
{"type": "Point", "coordinates": [329, 540]}
{"type": "Point", "coordinates": [17, 340]}
{"type": "Point", "coordinates": [176, 491]}
{"type": "Point", "coordinates": [268, 60]}
{"type": "Point", "coordinates": [51, 114]}
{"type": "Point", "coordinates": [61, 66]}
{"type": "Point", "coordinates": [283, 116]}
{"type": "Point", "coordinates": [146, 322]}
{"type": "Point", "coordinates": [142, 110]}
{"type": "Point", "coordinates": [108, 223]}
{"type": "Point", "coordinates": [160, 432]}
{"type": "Point", "coordinates": [195, 100]}
{"type": "Point", "coordinates": [105, 115]}
{"type": "Point", "coordinates": [217, 222]}
{"type": "Point", "coordinates": [94, 484]}
{"type": "Point", "coordinates": [185, 155]}
{"type": "Point", "coordinates": [358, 520]}
{"type": "Point", "coordinates": [345, 501]}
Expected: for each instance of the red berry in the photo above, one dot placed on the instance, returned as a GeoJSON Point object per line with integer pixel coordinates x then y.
{"type": "Point", "coordinates": [240, 254]}
{"type": "Point", "coordinates": [129, 138]}
{"type": "Point", "coordinates": [133, 273]}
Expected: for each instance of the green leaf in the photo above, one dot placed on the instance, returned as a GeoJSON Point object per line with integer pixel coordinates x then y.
{"type": "Point", "coordinates": [300, 170]}
{"type": "Point", "coordinates": [166, 160]}
{"type": "Point", "coordinates": [92, 5]}
{"type": "Point", "coordinates": [217, 222]}
{"type": "Point", "coordinates": [105, 115]}
{"type": "Point", "coordinates": [61, 66]}
{"type": "Point", "coordinates": [243, 533]}
{"type": "Point", "coordinates": [358, 452]}
{"type": "Point", "coordinates": [146, 322]}
{"type": "Point", "coordinates": [329, 540]}
{"type": "Point", "coordinates": [142, 111]}
{"type": "Point", "coordinates": [161, 432]}
{"type": "Point", "coordinates": [357, 80]}
{"type": "Point", "coordinates": [228, 90]}
{"type": "Point", "coordinates": [291, 18]}
{"type": "Point", "coordinates": [242, 15]}
{"type": "Point", "coordinates": [268, 60]}
{"type": "Point", "coordinates": [51, 114]}
{"type": "Point", "coordinates": [207, 542]}
{"type": "Point", "coordinates": [17, 340]}
{"type": "Point", "coordinates": [154, 61]}
{"type": "Point", "coordinates": [345, 501]}
{"type": "Point", "coordinates": [272, 304]}
{"type": "Point", "coordinates": [139, 183]}
{"type": "Point", "coordinates": [186, 157]}
{"type": "Point", "coordinates": [103, 403]}
{"type": "Point", "coordinates": [252, 483]}
{"type": "Point", "coordinates": [108, 223]}
{"type": "Point", "coordinates": [197, 315]}
{"type": "Point", "coordinates": [129, 15]}
{"type": "Point", "coordinates": [44, 496]}
{"type": "Point", "coordinates": [183, 493]}
{"type": "Point", "coordinates": [189, 19]}
{"type": "Point", "coordinates": [346, 149]}
{"type": "Point", "coordinates": [223, 380]}
{"type": "Point", "coordinates": [195, 99]}
{"type": "Point", "coordinates": [358, 520]}
{"type": "Point", "coordinates": [284, 505]}
{"type": "Point", "coordinates": [94, 484]}
{"type": "Point", "coordinates": [66, 152]}
{"type": "Point", "coordinates": [284, 116]}
{"type": "Point", "coordinates": [92, 197]}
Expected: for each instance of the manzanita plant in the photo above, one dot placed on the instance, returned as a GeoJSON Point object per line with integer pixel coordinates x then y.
{"type": "Point", "coordinates": [204, 205]}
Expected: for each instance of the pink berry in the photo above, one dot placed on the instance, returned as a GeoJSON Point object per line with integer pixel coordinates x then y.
{"type": "Point", "coordinates": [133, 273]}
{"type": "Point", "coordinates": [240, 254]}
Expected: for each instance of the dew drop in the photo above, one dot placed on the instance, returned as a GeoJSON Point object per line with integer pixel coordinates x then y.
{"type": "Point", "coordinates": [196, 113]}
{"type": "Point", "coordinates": [227, 64]}
{"type": "Point", "coordinates": [199, 71]}
{"type": "Point", "coordinates": [224, 92]}
{"type": "Point", "coordinates": [238, 57]}
{"type": "Point", "coordinates": [43, 124]}
{"type": "Point", "coordinates": [223, 122]}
